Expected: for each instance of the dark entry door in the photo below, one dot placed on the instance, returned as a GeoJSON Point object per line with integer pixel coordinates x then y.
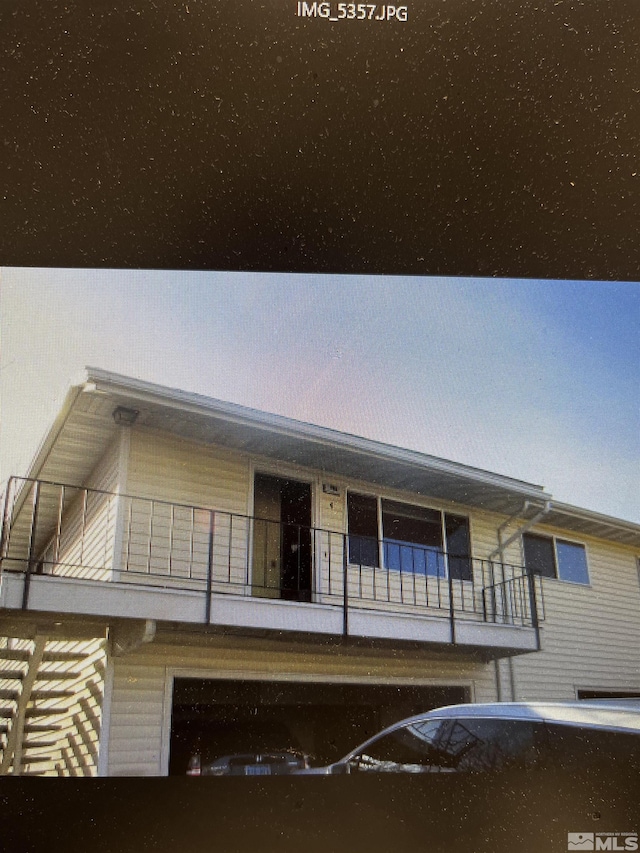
{"type": "Point", "coordinates": [282, 538]}
{"type": "Point", "coordinates": [295, 577]}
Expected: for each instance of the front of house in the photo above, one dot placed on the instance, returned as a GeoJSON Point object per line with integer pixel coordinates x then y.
{"type": "Point", "coordinates": [178, 571]}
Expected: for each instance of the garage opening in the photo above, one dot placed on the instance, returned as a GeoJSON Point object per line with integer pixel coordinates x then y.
{"type": "Point", "coordinates": [225, 718]}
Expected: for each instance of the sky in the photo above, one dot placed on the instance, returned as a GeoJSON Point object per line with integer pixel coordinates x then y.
{"type": "Point", "coordinates": [537, 380]}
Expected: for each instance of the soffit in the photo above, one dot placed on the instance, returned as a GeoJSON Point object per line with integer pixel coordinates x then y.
{"type": "Point", "coordinates": [89, 428]}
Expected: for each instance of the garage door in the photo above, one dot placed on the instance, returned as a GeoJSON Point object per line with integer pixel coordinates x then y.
{"type": "Point", "coordinates": [220, 717]}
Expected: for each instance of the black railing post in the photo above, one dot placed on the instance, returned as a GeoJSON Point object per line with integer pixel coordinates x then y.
{"type": "Point", "coordinates": [533, 604]}
{"type": "Point", "coordinates": [207, 610]}
{"type": "Point", "coordinates": [345, 593]}
{"type": "Point", "coordinates": [452, 619]}
{"type": "Point", "coordinates": [484, 589]}
{"type": "Point", "coordinates": [32, 545]}
{"type": "Point", "coordinates": [298, 563]}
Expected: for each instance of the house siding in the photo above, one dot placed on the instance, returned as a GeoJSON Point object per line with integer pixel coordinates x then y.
{"type": "Point", "coordinates": [85, 545]}
{"type": "Point", "coordinates": [167, 526]}
{"type": "Point", "coordinates": [591, 633]}
{"type": "Point", "coordinates": [168, 468]}
{"type": "Point", "coordinates": [136, 720]}
{"type": "Point", "coordinates": [167, 541]}
{"type": "Point", "coordinates": [141, 698]}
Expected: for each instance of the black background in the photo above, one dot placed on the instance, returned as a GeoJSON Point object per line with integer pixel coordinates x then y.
{"type": "Point", "coordinates": [478, 138]}
{"type": "Point", "coordinates": [380, 814]}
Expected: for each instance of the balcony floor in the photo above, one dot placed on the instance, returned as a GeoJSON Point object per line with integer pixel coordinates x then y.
{"type": "Point", "coordinates": [126, 600]}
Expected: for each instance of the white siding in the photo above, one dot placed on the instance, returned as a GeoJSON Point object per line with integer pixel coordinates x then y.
{"type": "Point", "coordinates": [84, 546]}
{"type": "Point", "coordinates": [136, 720]}
{"type": "Point", "coordinates": [168, 468]}
{"type": "Point", "coordinates": [168, 524]}
{"type": "Point", "coordinates": [591, 634]}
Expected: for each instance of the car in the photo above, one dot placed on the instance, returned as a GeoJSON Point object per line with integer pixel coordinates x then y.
{"type": "Point", "coordinates": [250, 764]}
{"type": "Point", "coordinates": [501, 736]}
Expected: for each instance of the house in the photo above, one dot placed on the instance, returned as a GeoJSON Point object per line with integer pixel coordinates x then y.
{"type": "Point", "coordinates": [178, 571]}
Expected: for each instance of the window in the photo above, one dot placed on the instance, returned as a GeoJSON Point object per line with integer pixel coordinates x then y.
{"type": "Point", "coordinates": [453, 746]}
{"type": "Point", "coordinates": [413, 537]}
{"type": "Point", "coordinates": [539, 556]}
{"type": "Point", "coordinates": [363, 529]}
{"type": "Point", "coordinates": [410, 749]}
{"type": "Point", "coordinates": [579, 750]}
{"type": "Point", "coordinates": [476, 746]}
{"type": "Point", "coordinates": [555, 558]}
{"type": "Point", "coordinates": [458, 546]}
{"type": "Point", "coordinates": [572, 562]}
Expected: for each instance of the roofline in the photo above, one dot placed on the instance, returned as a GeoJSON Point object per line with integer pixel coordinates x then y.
{"type": "Point", "coordinates": [51, 435]}
{"type": "Point", "coordinates": [104, 380]}
{"type": "Point", "coordinates": [590, 515]}
{"type": "Point", "coordinates": [97, 379]}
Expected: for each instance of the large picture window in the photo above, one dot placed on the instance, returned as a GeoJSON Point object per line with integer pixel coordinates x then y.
{"type": "Point", "coordinates": [362, 511]}
{"type": "Point", "coordinates": [413, 537]}
{"type": "Point", "coordinates": [555, 558]}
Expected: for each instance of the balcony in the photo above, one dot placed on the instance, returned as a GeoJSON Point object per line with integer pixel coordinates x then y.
{"type": "Point", "coordinates": [92, 553]}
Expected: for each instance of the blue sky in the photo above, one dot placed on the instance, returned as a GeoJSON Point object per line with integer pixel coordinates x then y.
{"type": "Point", "coordinates": [538, 380]}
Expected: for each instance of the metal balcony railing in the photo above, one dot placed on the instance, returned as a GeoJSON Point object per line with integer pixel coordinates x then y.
{"type": "Point", "coordinates": [64, 530]}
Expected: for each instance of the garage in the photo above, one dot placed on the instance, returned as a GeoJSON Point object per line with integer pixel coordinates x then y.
{"type": "Point", "coordinates": [218, 717]}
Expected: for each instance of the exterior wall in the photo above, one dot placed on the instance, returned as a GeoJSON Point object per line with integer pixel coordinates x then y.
{"type": "Point", "coordinates": [591, 633]}
{"type": "Point", "coordinates": [166, 540]}
{"type": "Point", "coordinates": [85, 544]}
{"type": "Point", "coordinates": [167, 534]}
{"type": "Point", "coordinates": [168, 468]}
{"type": "Point", "coordinates": [141, 698]}
{"type": "Point", "coordinates": [136, 720]}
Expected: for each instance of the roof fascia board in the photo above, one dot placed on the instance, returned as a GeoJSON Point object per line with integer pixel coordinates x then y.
{"type": "Point", "coordinates": [51, 436]}
{"type": "Point", "coordinates": [594, 517]}
{"type": "Point", "coordinates": [234, 413]}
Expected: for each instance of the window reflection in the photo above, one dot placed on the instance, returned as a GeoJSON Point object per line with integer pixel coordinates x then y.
{"type": "Point", "coordinates": [452, 746]}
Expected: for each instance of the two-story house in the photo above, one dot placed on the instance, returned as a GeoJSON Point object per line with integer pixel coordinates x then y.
{"type": "Point", "coordinates": [178, 570]}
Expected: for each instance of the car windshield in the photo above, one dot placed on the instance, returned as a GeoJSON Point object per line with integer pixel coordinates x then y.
{"type": "Point", "coordinates": [451, 746]}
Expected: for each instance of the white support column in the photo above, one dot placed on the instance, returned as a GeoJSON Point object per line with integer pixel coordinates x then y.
{"type": "Point", "coordinates": [121, 489]}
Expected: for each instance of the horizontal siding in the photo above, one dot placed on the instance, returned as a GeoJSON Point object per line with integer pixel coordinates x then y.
{"type": "Point", "coordinates": [85, 545]}
{"type": "Point", "coordinates": [591, 634]}
{"type": "Point", "coordinates": [268, 659]}
{"type": "Point", "coordinates": [136, 719]}
{"type": "Point", "coordinates": [168, 468]}
{"type": "Point", "coordinates": [173, 541]}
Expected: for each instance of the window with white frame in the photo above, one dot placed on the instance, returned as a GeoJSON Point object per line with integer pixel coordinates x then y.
{"type": "Point", "coordinates": [551, 557]}
{"type": "Point", "coordinates": [407, 538]}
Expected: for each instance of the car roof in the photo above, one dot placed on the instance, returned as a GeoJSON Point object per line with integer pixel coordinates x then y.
{"type": "Point", "coordinates": [611, 714]}
{"type": "Point", "coordinates": [616, 715]}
